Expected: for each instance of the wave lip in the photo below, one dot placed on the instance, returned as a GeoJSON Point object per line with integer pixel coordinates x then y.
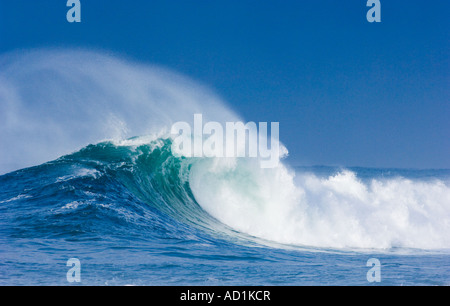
{"type": "Point", "coordinates": [56, 101]}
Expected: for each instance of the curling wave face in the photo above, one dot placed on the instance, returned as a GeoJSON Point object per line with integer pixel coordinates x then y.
{"type": "Point", "coordinates": [138, 187]}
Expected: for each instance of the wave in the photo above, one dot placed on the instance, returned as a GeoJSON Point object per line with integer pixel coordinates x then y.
{"type": "Point", "coordinates": [234, 198]}
{"type": "Point", "coordinates": [59, 101]}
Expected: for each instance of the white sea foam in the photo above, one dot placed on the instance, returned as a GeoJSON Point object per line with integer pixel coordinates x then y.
{"type": "Point", "coordinates": [77, 173]}
{"type": "Point", "coordinates": [339, 211]}
{"type": "Point", "coordinates": [19, 197]}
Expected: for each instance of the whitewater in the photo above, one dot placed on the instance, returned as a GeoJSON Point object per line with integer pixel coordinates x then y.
{"type": "Point", "coordinates": [89, 173]}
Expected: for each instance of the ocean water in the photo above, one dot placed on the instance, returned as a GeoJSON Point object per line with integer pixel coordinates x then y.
{"type": "Point", "coordinates": [133, 214]}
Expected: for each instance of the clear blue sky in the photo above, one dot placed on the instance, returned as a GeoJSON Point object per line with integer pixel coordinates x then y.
{"type": "Point", "coordinates": [345, 91]}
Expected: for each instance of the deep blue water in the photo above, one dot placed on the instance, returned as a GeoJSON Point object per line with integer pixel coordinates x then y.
{"type": "Point", "coordinates": [129, 215]}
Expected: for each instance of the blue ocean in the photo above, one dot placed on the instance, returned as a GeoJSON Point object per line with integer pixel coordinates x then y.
{"type": "Point", "coordinates": [133, 214]}
{"type": "Point", "coordinates": [88, 173]}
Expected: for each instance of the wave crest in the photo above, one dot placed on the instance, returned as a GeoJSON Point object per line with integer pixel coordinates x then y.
{"type": "Point", "coordinates": [295, 208]}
